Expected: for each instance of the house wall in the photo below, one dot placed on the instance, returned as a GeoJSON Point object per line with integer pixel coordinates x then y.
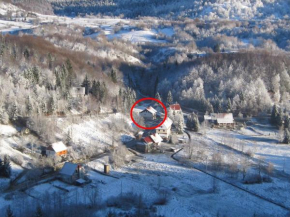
{"type": "Point", "coordinates": [61, 153]}
{"type": "Point", "coordinates": [164, 133]}
{"type": "Point", "coordinates": [147, 115]}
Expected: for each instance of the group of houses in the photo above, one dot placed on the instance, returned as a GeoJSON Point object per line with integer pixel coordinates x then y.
{"type": "Point", "coordinates": [145, 141]}
{"type": "Point", "coordinates": [70, 173]}
{"type": "Point", "coordinates": [150, 142]}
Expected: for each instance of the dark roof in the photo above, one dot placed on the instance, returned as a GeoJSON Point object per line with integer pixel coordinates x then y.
{"type": "Point", "coordinates": [68, 169]}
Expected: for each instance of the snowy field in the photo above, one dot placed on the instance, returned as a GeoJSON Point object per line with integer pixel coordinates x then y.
{"type": "Point", "coordinates": [189, 192]}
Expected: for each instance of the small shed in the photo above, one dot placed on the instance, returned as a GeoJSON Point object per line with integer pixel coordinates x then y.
{"type": "Point", "coordinates": [56, 149]}
{"type": "Point", "coordinates": [71, 172]}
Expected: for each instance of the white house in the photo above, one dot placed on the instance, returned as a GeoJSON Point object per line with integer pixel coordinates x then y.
{"type": "Point", "coordinates": [175, 109]}
{"type": "Point", "coordinates": [221, 119]}
{"type": "Point", "coordinates": [165, 129]}
{"type": "Point", "coordinates": [149, 113]}
{"type": "Point", "coordinates": [56, 149]}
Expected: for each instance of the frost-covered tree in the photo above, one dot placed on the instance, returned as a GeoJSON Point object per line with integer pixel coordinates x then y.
{"type": "Point", "coordinates": [193, 122]}
{"type": "Point", "coordinates": [28, 106]}
{"type": "Point", "coordinates": [286, 139]}
{"type": "Point", "coordinates": [4, 117]}
{"type": "Point", "coordinates": [169, 98]}
{"type": "Point", "coordinates": [180, 126]}
{"type": "Point", "coordinates": [157, 96]}
{"type": "Point", "coordinates": [14, 111]}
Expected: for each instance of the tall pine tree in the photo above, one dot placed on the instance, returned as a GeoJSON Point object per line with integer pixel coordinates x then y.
{"type": "Point", "coordinates": [86, 84]}
{"type": "Point", "coordinates": [9, 212]}
{"type": "Point", "coordinates": [169, 98]}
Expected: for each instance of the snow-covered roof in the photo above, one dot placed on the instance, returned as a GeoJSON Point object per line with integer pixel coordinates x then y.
{"type": "Point", "coordinates": [166, 125]}
{"type": "Point", "coordinates": [175, 107]}
{"type": "Point", "coordinates": [207, 117]}
{"type": "Point", "coordinates": [57, 147]}
{"type": "Point", "coordinates": [81, 181]}
{"type": "Point", "coordinates": [223, 118]}
{"type": "Point", "coordinates": [150, 109]}
{"type": "Point", "coordinates": [156, 138]}
{"type": "Point", "coordinates": [68, 169]}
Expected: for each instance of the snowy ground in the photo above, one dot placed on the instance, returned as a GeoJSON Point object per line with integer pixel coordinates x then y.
{"type": "Point", "coordinates": [188, 190]}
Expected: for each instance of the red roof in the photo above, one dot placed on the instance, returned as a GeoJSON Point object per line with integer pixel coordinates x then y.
{"type": "Point", "coordinates": [175, 107]}
{"type": "Point", "coordinates": [148, 139]}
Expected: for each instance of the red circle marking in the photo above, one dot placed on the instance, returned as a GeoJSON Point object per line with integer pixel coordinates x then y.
{"type": "Point", "coordinates": [141, 100]}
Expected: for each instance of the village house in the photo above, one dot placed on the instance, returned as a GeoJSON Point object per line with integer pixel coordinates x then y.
{"type": "Point", "coordinates": [220, 119]}
{"type": "Point", "coordinates": [175, 109]}
{"type": "Point", "coordinates": [165, 129]}
{"type": "Point", "coordinates": [56, 149]}
{"type": "Point", "coordinates": [149, 113]}
{"type": "Point", "coordinates": [72, 173]}
{"type": "Point", "coordinates": [78, 92]}
{"type": "Point", "coordinates": [149, 143]}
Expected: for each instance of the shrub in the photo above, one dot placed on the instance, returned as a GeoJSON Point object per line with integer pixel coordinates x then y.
{"type": "Point", "coordinates": [253, 179]}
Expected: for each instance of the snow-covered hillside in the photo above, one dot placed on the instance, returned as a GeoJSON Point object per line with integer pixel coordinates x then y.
{"type": "Point", "coordinates": [235, 9]}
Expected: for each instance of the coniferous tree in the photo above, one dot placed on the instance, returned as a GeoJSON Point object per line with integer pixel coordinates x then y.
{"type": "Point", "coordinates": [70, 71]}
{"type": "Point", "coordinates": [180, 126]}
{"type": "Point", "coordinates": [287, 122]}
{"type": "Point", "coordinates": [169, 98]}
{"type": "Point", "coordinates": [86, 84]}
{"type": "Point", "coordinates": [96, 89]}
{"type": "Point", "coordinates": [52, 105]}
{"type": "Point", "coordinates": [35, 74]}
{"type": "Point", "coordinates": [9, 212]}
{"type": "Point", "coordinates": [193, 122]}
{"type": "Point", "coordinates": [14, 111]}
{"type": "Point", "coordinates": [43, 107]}
{"type": "Point", "coordinates": [68, 138]}
{"type": "Point", "coordinates": [286, 137]}
{"type": "Point", "coordinates": [7, 166]}
{"type": "Point", "coordinates": [114, 76]}
{"type": "Point", "coordinates": [229, 105]}
{"type": "Point", "coordinates": [103, 92]}
{"type": "Point", "coordinates": [28, 106]}
{"type": "Point", "coordinates": [274, 115]}
{"type": "Point", "coordinates": [38, 212]}
{"type": "Point", "coordinates": [157, 96]}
